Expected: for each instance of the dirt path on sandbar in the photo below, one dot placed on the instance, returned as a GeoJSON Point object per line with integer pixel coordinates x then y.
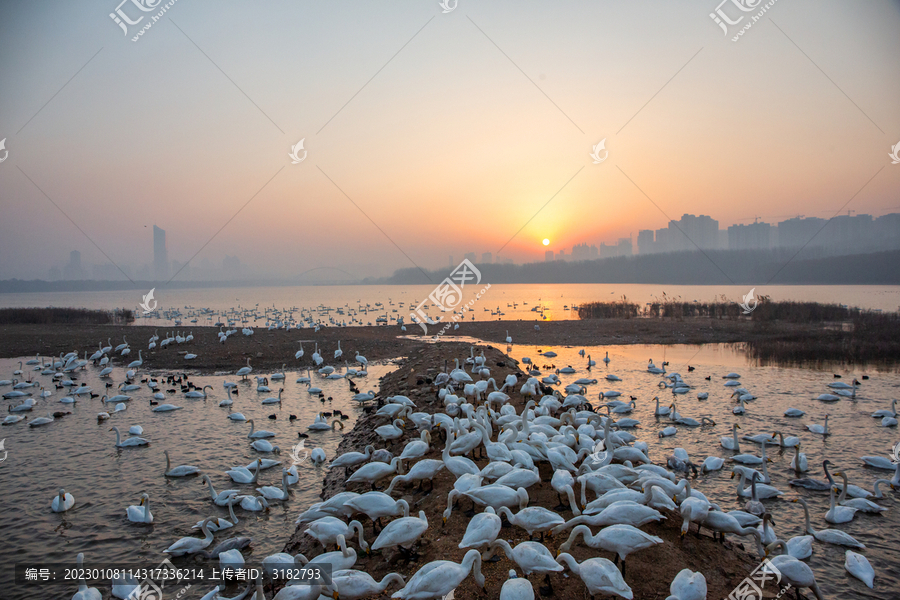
{"type": "Point", "coordinates": [649, 572]}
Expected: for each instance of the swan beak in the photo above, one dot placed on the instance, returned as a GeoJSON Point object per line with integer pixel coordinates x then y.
{"type": "Point", "coordinates": [335, 595]}
{"type": "Point", "coordinates": [794, 500]}
{"type": "Point", "coordinates": [675, 499]}
{"type": "Point", "coordinates": [732, 475]}
{"type": "Point", "coordinates": [443, 520]}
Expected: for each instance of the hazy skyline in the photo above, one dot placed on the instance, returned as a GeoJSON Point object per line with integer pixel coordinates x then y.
{"type": "Point", "coordinates": [450, 131]}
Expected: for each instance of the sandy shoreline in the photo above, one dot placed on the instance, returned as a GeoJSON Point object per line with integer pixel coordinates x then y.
{"type": "Point", "coordinates": [268, 350]}
{"type": "Point", "coordinates": [649, 572]}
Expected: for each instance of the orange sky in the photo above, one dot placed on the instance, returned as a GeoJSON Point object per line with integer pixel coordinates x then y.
{"type": "Point", "coordinates": [452, 145]}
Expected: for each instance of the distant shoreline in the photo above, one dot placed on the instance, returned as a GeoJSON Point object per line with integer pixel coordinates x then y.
{"type": "Point", "coordinates": [713, 268]}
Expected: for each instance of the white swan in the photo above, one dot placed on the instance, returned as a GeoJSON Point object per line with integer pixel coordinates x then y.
{"type": "Point", "coordinates": [244, 371]}
{"type": "Point", "coordinates": [621, 540]}
{"type": "Point", "coordinates": [794, 572]}
{"type": "Point", "coordinates": [272, 492]}
{"type": "Point", "coordinates": [192, 545]}
{"type": "Point", "coordinates": [130, 442]}
{"type": "Point", "coordinates": [221, 498]}
{"type": "Point", "coordinates": [254, 503]}
{"type": "Point", "coordinates": [351, 459]}
{"type": "Point", "coordinates": [860, 504]}
{"type": "Point", "coordinates": [220, 524]}
{"type": "Point", "coordinates": [180, 470]}
{"type": "Point", "coordinates": [440, 577]}
{"type": "Point", "coordinates": [731, 443]}
{"type": "Point", "coordinates": [401, 532]}
{"type": "Point", "coordinates": [62, 502]}
{"type": "Point", "coordinates": [858, 566]}
{"type": "Point", "coordinates": [820, 429]}
{"type": "Point", "coordinates": [253, 435]}
{"type": "Point", "coordinates": [829, 536]}
{"type": "Point", "coordinates": [84, 592]}
{"type": "Point", "coordinates": [482, 529]}
{"type": "Point", "coordinates": [196, 394]}
{"type": "Point", "coordinates": [356, 585]}
{"type": "Point", "coordinates": [41, 421]}
{"type": "Point", "coordinates": [600, 575]}
{"type": "Point", "coordinates": [688, 585]}
{"type": "Point", "coordinates": [140, 513]}
{"type": "Point", "coordinates": [243, 475]}
{"type": "Point", "coordinates": [533, 519]}
{"type": "Point", "coordinates": [165, 408]}
{"type": "Point", "coordinates": [274, 400]}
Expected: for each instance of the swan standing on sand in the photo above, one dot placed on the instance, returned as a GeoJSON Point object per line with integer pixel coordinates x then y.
{"type": "Point", "coordinates": [688, 585]}
{"type": "Point", "coordinates": [440, 577]}
{"type": "Point", "coordinates": [62, 501]}
{"type": "Point", "coordinates": [132, 441]}
{"type": "Point", "coordinates": [356, 585]}
{"type": "Point", "coordinates": [619, 539]}
{"type": "Point", "coordinates": [140, 513]}
{"type": "Point", "coordinates": [794, 572]}
{"type": "Point", "coordinates": [600, 575]}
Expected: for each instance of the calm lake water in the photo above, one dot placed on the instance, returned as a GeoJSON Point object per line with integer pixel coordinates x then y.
{"type": "Point", "coordinates": [78, 454]}
{"type": "Point", "coordinates": [514, 301]}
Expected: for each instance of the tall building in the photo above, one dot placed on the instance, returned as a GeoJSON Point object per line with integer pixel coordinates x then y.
{"type": "Point", "coordinates": [73, 269]}
{"type": "Point", "coordinates": [645, 242]}
{"type": "Point", "coordinates": [160, 256]}
{"type": "Point", "coordinates": [548, 256]}
{"type": "Point", "coordinates": [755, 236]}
{"type": "Point", "coordinates": [470, 256]}
{"type": "Point", "coordinates": [584, 252]}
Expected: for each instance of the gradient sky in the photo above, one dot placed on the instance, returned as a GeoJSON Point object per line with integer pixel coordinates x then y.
{"type": "Point", "coordinates": [452, 145]}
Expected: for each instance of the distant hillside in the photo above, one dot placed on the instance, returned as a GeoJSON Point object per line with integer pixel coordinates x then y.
{"type": "Point", "coordinates": [715, 267]}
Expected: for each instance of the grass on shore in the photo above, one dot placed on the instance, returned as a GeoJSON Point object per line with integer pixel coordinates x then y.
{"type": "Point", "coordinates": [64, 316]}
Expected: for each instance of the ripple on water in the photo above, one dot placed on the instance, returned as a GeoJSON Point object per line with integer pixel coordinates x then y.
{"type": "Point", "coordinates": [78, 453]}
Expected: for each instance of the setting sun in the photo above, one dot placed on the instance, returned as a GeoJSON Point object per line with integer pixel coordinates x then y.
{"type": "Point", "coordinates": [546, 242]}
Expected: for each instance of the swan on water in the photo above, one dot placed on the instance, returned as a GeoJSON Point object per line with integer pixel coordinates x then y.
{"type": "Point", "coordinates": [62, 502]}
{"type": "Point", "coordinates": [141, 512]}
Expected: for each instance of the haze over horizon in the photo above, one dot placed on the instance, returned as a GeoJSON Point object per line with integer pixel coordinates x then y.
{"type": "Point", "coordinates": [429, 134]}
